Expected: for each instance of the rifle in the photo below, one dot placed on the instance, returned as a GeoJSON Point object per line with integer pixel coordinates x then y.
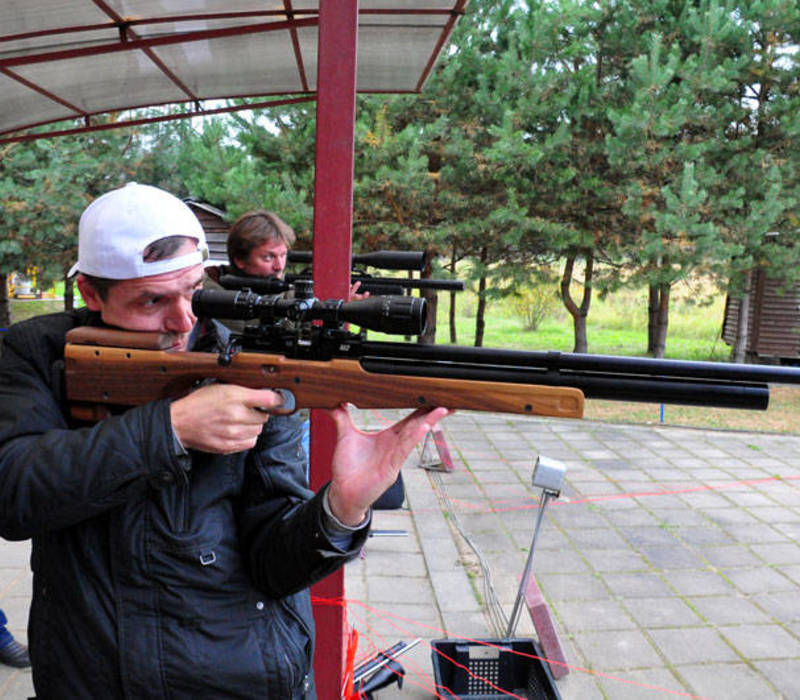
{"type": "Point", "coordinates": [316, 364]}
{"type": "Point", "coordinates": [382, 259]}
{"type": "Point", "coordinates": [382, 286]}
{"type": "Point", "coordinates": [319, 363]}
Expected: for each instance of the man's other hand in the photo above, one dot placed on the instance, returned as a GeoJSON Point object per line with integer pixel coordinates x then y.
{"type": "Point", "coordinates": [365, 464]}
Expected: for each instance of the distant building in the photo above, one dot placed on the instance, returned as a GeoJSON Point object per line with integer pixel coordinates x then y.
{"type": "Point", "coordinates": [215, 226]}
{"type": "Point", "coordinates": [774, 322]}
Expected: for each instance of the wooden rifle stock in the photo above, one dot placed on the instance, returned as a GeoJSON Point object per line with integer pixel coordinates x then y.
{"type": "Point", "coordinates": [103, 368]}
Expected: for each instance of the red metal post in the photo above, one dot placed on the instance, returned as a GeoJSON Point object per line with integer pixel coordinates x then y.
{"type": "Point", "coordinates": [333, 218]}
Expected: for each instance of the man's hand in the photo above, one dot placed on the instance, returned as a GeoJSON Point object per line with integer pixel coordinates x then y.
{"type": "Point", "coordinates": [354, 295]}
{"type": "Point", "coordinates": [222, 418]}
{"type": "Point", "coordinates": [366, 464]}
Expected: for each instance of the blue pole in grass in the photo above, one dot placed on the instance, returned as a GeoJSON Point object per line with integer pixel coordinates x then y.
{"type": "Point", "coordinates": [662, 412]}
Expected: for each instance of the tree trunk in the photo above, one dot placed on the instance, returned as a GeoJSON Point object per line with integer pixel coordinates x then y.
{"type": "Point", "coordinates": [739, 351]}
{"type": "Point", "coordinates": [452, 314]}
{"type": "Point", "coordinates": [480, 316]}
{"type": "Point", "coordinates": [452, 318]}
{"type": "Point", "coordinates": [578, 313]}
{"type": "Point", "coordinates": [662, 321]}
{"type": "Point", "coordinates": [652, 318]}
{"type": "Point", "coordinates": [429, 336]}
{"type": "Point", "coordinates": [69, 294]}
{"type": "Point", "coordinates": [5, 306]}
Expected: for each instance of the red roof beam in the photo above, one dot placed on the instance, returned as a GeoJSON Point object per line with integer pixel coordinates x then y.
{"type": "Point", "coordinates": [457, 11]}
{"type": "Point", "coordinates": [151, 120]}
{"type": "Point", "coordinates": [248, 14]}
{"type": "Point", "coordinates": [298, 54]}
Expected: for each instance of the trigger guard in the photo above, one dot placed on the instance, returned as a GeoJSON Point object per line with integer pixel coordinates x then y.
{"type": "Point", "coordinates": [289, 404]}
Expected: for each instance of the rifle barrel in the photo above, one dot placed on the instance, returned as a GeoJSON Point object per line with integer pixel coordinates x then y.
{"type": "Point", "coordinates": [559, 361]}
{"type": "Point", "coordinates": [610, 377]}
{"type": "Point", "coordinates": [594, 385]}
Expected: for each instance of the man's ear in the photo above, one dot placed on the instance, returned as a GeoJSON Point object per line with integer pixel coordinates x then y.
{"type": "Point", "coordinates": [90, 296]}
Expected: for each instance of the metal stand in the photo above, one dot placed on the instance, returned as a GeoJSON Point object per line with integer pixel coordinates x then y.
{"type": "Point", "coordinates": [435, 455]}
{"type": "Point", "coordinates": [494, 668]}
{"type": "Point", "coordinates": [548, 474]}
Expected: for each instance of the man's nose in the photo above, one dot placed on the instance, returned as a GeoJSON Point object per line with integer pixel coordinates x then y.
{"type": "Point", "coordinates": [181, 319]}
{"type": "Point", "coordinates": [278, 264]}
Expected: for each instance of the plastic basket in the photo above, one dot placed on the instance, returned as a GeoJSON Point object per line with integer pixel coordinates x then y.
{"type": "Point", "coordinates": [462, 668]}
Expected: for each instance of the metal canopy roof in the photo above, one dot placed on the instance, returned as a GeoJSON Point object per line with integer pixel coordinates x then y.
{"type": "Point", "coordinates": [68, 59]}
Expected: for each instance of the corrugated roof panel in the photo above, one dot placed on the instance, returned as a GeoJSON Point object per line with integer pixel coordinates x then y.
{"type": "Point", "coordinates": [20, 102]}
{"type": "Point", "coordinates": [25, 16]}
{"type": "Point", "coordinates": [253, 64]}
{"type": "Point", "coordinates": [118, 81]}
{"type": "Point", "coordinates": [396, 57]}
{"type": "Point", "coordinates": [66, 57]}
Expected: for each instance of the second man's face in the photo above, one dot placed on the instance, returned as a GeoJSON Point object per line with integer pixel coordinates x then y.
{"type": "Point", "coordinates": [267, 260]}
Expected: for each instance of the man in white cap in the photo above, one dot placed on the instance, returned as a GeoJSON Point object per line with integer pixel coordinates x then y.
{"type": "Point", "coordinates": [173, 543]}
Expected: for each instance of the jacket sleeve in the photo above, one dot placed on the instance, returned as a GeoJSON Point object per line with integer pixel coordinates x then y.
{"type": "Point", "coordinates": [282, 522]}
{"type": "Point", "coordinates": [52, 476]}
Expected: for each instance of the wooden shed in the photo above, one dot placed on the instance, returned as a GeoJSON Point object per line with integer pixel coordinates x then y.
{"type": "Point", "coordinates": [774, 323]}
{"type": "Point", "coordinates": [215, 226]}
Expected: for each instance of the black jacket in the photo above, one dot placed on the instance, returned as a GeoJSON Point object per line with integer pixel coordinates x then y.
{"type": "Point", "coordinates": [155, 575]}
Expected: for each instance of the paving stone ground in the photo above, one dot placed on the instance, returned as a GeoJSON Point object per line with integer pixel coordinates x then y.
{"type": "Point", "coordinates": [670, 563]}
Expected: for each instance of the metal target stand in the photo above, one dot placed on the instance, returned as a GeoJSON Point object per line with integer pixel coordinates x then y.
{"type": "Point", "coordinates": [493, 668]}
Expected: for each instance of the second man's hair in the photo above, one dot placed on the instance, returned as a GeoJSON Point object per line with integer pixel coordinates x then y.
{"type": "Point", "coordinates": [253, 229]}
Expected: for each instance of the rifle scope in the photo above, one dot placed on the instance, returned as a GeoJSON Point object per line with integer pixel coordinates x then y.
{"type": "Point", "coordinates": [400, 315]}
{"type": "Point", "coordinates": [374, 285]}
{"type": "Point", "coordinates": [383, 259]}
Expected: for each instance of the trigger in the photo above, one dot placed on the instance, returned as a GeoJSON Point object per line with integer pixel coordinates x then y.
{"type": "Point", "coordinates": [289, 404]}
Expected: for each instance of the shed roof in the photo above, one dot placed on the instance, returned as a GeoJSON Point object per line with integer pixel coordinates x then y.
{"type": "Point", "coordinates": [68, 59]}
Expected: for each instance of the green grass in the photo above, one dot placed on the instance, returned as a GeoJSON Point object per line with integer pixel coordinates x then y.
{"type": "Point", "coordinates": [616, 325]}
{"type": "Point", "coordinates": [22, 309]}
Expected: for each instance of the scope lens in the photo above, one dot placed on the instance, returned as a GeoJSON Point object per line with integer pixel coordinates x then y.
{"type": "Point", "coordinates": [388, 314]}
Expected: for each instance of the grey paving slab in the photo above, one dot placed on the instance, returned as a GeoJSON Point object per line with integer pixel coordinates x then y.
{"type": "Point", "coordinates": [671, 558]}
{"type": "Point", "coordinates": [784, 675]}
{"type": "Point", "coordinates": [731, 557]}
{"type": "Point", "coordinates": [729, 610]}
{"type": "Point", "coordinates": [733, 680]}
{"type": "Point", "coordinates": [615, 560]}
{"type": "Point", "coordinates": [762, 641]}
{"type": "Point", "coordinates": [639, 584]}
{"type": "Point", "coordinates": [15, 595]}
{"type": "Point", "coordinates": [649, 684]}
{"type": "Point", "coordinates": [614, 651]}
{"type": "Point", "coordinates": [653, 613]}
{"type": "Point", "coordinates": [689, 645]}
{"type": "Point", "coordinates": [594, 615]}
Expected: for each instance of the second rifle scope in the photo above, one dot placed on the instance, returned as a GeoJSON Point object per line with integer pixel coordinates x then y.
{"type": "Point", "coordinates": [402, 315]}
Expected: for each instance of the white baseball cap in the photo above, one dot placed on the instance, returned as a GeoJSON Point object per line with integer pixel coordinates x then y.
{"type": "Point", "coordinates": [116, 228]}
